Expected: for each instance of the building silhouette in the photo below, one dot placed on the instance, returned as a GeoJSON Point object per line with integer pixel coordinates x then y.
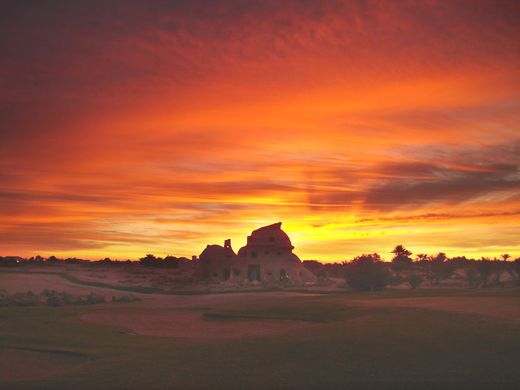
{"type": "Point", "coordinates": [267, 258]}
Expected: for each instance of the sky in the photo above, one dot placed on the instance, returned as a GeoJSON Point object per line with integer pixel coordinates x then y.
{"type": "Point", "coordinates": [159, 127]}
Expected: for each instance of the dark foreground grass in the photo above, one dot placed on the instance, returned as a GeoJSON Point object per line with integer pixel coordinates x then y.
{"type": "Point", "coordinates": [349, 348]}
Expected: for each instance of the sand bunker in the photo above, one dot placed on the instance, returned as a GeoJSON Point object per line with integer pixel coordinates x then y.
{"type": "Point", "coordinates": [183, 316]}
{"type": "Point", "coordinates": [187, 324]}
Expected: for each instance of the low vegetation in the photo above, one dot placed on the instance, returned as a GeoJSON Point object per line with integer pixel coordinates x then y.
{"type": "Point", "coordinates": [58, 298]}
{"type": "Point", "coordinates": [369, 272]}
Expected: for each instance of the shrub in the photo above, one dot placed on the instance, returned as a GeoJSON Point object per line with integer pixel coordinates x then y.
{"type": "Point", "coordinates": [367, 273]}
{"type": "Point", "coordinates": [440, 268]}
{"type": "Point", "coordinates": [414, 281]}
{"type": "Point", "coordinates": [93, 299]}
{"type": "Point", "coordinates": [485, 268]}
{"type": "Point", "coordinates": [395, 280]}
{"type": "Point", "coordinates": [125, 298]}
{"type": "Point", "coordinates": [18, 299]}
{"type": "Point", "coordinates": [471, 277]}
{"type": "Point", "coordinates": [515, 268]}
{"type": "Point", "coordinates": [54, 300]}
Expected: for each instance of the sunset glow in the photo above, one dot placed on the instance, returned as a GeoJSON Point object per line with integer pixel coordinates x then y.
{"type": "Point", "coordinates": [159, 128]}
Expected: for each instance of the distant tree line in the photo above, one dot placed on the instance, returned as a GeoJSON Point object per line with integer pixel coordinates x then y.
{"type": "Point", "coordinates": [149, 261]}
{"type": "Point", "coordinates": [168, 262]}
{"type": "Point", "coordinates": [369, 272]}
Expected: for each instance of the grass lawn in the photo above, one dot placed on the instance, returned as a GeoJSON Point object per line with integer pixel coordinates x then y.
{"type": "Point", "coordinates": [350, 347]}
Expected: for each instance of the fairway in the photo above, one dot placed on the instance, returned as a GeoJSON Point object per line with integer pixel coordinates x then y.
{"type": "Point", "coordinates": [347, 341]}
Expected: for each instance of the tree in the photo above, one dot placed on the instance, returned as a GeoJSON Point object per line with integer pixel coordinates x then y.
{"type": "Point", "coordinates": [148, 260]}
{"type": "Point", "coordinates": [515, 268]}
{"type": "Point", "coordinates": [440, 268]}
{"type": "Point", "coordinates": [367, 273]}
{"type": "Point", "coordinates": [471, 276]}
{"type": "Point", "coordinates": [505, 256]}
{"type": "Point", "coordinates": [52, 260]}
{"type": "Point", "coordinates": [401, 257]}
{"type": "Point", "coordinates": [314, 266]}
{"type": "Point", "coordinates": [414, 281]}
{"type": "Point", "coordinates": [422, 257]}
{"type": "Point", "coordinates": [485, 268]}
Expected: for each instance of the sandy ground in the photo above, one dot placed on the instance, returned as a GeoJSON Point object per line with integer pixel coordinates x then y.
{"type": "Point", "coordinates": [159, 315]}
{"type": "Point", "coordinates": [506, 308]}
{"type": "Point", "coordinates": [187, 324]}
{"type": "Point", "coordinates": [19, 282]}
{"type": "Point", "coordinates": [183, 316]}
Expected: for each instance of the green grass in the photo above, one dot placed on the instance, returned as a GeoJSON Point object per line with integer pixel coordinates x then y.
{"type": "Point", "coordinates": [349, 348]}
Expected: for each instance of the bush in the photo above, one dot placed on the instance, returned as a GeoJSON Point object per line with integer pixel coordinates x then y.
{"type": "Point", "coordinates": [367, 273]}
{"type": "Point", "coordinates": [51, 298]}
{"type": "Point", "coordinates": [515, 268]}
{"type": "Point", "coordinates": [414, 281]}
{"type": "Point", "coordinates": [395, 280]}
{"type": "Point", "coordinates": [54, 300]}
{"type": "Point", "coordinates": [125, 298]}
{"type": "Point", "coordinates": [471, 277]}
{"type": "Point", "coordinates": [19, 299]}
{"type": "Point", "coordinates": [485, 268]}
{"type": "Point", "coordinates": [93, 299]}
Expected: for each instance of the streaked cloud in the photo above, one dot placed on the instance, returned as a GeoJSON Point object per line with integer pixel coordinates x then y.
{"type": "Point", "coordinates": [128, 129]}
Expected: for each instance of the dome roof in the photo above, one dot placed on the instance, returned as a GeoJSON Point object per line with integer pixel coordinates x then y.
{"type": "Point", "coordinates": [270, 236]}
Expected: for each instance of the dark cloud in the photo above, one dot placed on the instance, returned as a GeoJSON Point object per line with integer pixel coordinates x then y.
{"type": "Point", "coordinates": [438, 216]}
{"type": "Point", "coordinates": [442, 184]}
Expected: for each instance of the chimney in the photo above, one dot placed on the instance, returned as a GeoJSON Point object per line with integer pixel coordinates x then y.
{"type": "Point", "coordinates": [227, 243]}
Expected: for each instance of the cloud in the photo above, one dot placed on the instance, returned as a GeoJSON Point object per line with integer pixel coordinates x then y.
{"type": "Point", "coordinates": [179, 122]}
{"type": "Point", "coordinates": [452, 180]}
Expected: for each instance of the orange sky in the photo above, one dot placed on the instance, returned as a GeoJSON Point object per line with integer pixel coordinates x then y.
{"type": "Point", "coordinates": [129, 128]}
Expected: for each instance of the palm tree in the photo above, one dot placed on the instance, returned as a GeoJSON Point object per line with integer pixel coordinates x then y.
{"type": "Point", "coordinates": [422, 257]}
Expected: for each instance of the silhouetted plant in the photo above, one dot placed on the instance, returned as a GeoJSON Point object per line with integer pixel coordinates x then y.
{"type": "Point", "coordinates": [515, 268]}
{"type": "Point", "coordinates": [93, 299]}
{"type": "Point", "coordinates": [367, 273]}
{"type": "Point", "coordinates": [125, 298]}
{"type": "Point", "coordinates": [471, 277]}
{"type": "Point", "coordinates": [401, 259]}
{"type": "Point", "coordinates": [440, 268]}
{"type": "Point", "coordinates": [315, 267]}
{"type": "Point", "coordinates": [485, 268]}
{"type": "Point", "coordinates": [414, 280]}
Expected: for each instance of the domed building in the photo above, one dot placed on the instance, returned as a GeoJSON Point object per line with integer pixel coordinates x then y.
{"type": "Point", "coordinates": [216, 262]}
{"type": "Point", "coordinates": [267, 257]}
